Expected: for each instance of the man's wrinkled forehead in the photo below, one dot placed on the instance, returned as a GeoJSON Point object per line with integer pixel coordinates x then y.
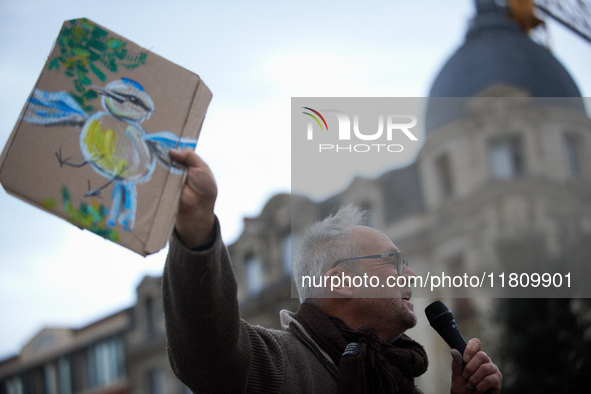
{"type": "Point", "coordinates": [369, 240]}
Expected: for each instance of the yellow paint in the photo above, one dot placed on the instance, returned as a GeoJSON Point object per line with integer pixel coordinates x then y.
{"type": "Point", "coordinates": [102, 147]}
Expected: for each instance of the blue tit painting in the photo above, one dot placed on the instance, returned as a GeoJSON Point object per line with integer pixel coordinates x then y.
{"type": "Point", "coordinates": [112, 141]}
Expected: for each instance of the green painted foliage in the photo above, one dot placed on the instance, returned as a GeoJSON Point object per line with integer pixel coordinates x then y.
{"type": "Point", "coordinates": [91, 216]}
{"type": "Point", "coordinates": [88, 52]}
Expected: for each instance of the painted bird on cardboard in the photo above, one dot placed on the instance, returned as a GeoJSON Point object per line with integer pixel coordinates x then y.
{"type": "Point", "coordinates": [112, 141]}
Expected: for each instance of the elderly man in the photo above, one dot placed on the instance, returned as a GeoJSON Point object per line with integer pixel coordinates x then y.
{"type": "Point", "coordinates": [348, 341]}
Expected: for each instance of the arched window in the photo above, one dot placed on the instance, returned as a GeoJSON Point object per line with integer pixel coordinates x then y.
{"type": "Point", "coordinates": [444, 176]}
{"type": "Point", "coordinates": [253, 274]}
{"type": "Point", "coordinates": [573, 161]}
{"type": "Point", "coordinates": [506, 157]}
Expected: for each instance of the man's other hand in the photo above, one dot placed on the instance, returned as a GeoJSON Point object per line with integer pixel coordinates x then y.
{"type": "Point", "coordinates": [478, 374]}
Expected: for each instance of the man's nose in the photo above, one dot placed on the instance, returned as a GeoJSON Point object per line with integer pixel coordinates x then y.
{"type": "Point", "coordinates": [407, 271]}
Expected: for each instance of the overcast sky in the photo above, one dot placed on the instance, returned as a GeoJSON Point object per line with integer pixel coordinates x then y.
{"type": "Point", "coordinates": [254, 56]}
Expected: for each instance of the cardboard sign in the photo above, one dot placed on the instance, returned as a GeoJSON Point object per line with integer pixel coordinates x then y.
{"type": "Point", "coordinates": [91, 145]}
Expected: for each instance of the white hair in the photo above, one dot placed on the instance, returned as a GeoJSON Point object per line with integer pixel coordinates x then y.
{"type": "Point", "coordinates": [323, 244]}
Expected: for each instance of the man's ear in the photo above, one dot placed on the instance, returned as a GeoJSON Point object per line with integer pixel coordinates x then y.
{"type": "Point", "coordinates": [339, 283]}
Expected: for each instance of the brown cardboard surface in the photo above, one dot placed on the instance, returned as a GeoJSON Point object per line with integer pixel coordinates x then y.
{"type": "Point", "coordinates": [104, 101]}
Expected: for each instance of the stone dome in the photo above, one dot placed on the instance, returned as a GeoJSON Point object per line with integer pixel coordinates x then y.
{"type": "Point", "coordinates": [497, 52]}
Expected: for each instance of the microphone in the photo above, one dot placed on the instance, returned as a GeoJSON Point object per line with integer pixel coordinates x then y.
{"type": "Point", "coordinates": [443, 322]}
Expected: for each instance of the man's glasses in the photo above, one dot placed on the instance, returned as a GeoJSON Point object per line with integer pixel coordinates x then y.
{"type": "Point", "coordinates": [399, 260]}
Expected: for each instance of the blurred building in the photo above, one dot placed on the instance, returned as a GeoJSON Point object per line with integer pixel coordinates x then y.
{"type": "Point", "coordinates": [261, 259]}
{"type": "Point", "coordinates": [65, 360]}
{"type": "Point", "coordinates": [502, 178]}
{"type": "Point", "coordinates": [124, 353]}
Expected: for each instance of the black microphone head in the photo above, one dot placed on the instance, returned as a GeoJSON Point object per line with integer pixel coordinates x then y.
{"type": "Point", "coordinates": [438, 313]}
{"type": "Point", "coordinates": [443, 322]}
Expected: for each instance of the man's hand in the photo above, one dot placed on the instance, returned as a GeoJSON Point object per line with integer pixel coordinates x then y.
{"type": "Point", "coordinates": [479, 374]}
{"type": "Point", "coordinates": [195, 220]}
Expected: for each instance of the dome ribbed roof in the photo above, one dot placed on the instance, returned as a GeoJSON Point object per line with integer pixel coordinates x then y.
{"type": "Point", "coordinates": [498, 52]}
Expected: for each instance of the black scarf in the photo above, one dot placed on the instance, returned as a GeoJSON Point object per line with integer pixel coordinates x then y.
{"type": "Point", "coordinates": [366, 365]}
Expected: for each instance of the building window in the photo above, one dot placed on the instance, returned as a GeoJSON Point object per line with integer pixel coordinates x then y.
{"type": "Point", "coordinates": [254, 275]}
{"type": "Point", "coordinates": [50, 378]}
{"type": "Point", "coordinates": [506, 158]}
{"type": "Point", "coordinates": [156, 382]}
{"type": "Point", "coordinates": [442, 167]}
{"type": "Point", "coordinates": [286, 253]}
{"type": "Point", "coordinates": [150, 316]}
{"type": "Point", "coordinates": [14, 386]}
{"type": "Point", "coordinates": [65, 375]}
{"type": "Point", "coordinates": [571, 146]}
{"type": "Point", "coordinates": [105, 362]}
{"type": "Point", "coordinates": [463, 308]}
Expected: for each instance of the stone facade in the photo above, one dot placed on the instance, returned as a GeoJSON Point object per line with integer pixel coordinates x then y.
{"type": "Point", "coordinates": [124, 353]}
{"type": "Point", "coordinates": [63, 360]}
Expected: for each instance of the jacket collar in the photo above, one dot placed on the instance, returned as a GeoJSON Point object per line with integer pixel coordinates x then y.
{"type": "Point", "coordinates": [290, 324]}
